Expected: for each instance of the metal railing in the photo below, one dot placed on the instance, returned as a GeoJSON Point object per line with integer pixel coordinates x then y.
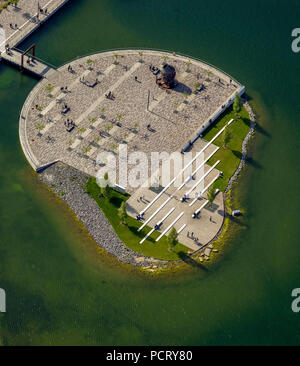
{"type": "Point", "coordinates": [46, 63]}
{"type": "Point", "coordinates": [33, 23]}
{"type": "Point", "coordinates": [188, 57]}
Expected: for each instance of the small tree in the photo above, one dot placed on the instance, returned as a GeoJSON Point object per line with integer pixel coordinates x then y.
{"type": "Point", "coordinates": [188, 64]}
{"type": "Point", "coordinates": [119, 117]}
{"type": "Point", "coordinates": [197, 85]}
{"type": "Point", "coordinates": [108, 128]}
{"type": "Point", "coordinates": [141, 56]}
{"type": "Point", "coordinates": [211, 195]}
{"type": "Point", "coordinates": [186, 94]}
{"type": "Point", "coordinates": [172, 238]}
{"type": "Point", "coordinates": [136, 125]}
{"type": "Point", "coordinates": [116, 56]}
{"type": "Point", "coordinates": [122, 213]}
{"type": "Point", "coordinates": [165, 58]}
{"type": "Point", "coordinates": [237, 104]}
{"type": "Point", "coordinates": [104, 186]}
{"type": "Point", "coordinates": [90, 62]}
{"type": "Point", "coordinates": [226, 137]}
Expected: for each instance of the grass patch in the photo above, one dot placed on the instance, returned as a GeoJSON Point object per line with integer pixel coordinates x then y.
{"type": "Point", "coordinates": [128, 233]}
{"type": "Point", "coordinates": [230, 157]}
{"type": "Point", "coordinates": [4, 4]}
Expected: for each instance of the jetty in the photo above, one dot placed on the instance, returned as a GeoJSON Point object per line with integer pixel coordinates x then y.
{"type": "Point", "coordinates": [37, 67]}
{"type": "Point", "coordinates": [17, 23]}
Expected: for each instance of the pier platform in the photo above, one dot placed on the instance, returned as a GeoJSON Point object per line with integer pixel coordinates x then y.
{"type": "Point", "coordinates": [37, 67]}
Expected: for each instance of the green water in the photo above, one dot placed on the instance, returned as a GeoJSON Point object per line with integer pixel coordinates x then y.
{"type": "Point", "coordinates": [60, 290]}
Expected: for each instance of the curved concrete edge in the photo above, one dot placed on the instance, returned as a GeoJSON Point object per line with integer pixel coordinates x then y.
{"type": "Point", "coordinates": [20, 37]}
{"type": "Point", "coordinates": [215, 115]}
{"type": "Point", "coordinates": [171, 55]}
{"type": "Point", "coordinates": [237, 172]}
{"type": "Point", "coordinates": [35, 164]}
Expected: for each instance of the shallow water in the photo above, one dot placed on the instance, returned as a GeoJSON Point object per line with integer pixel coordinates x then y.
{"type": "Point", "coordinates": [60, 290]}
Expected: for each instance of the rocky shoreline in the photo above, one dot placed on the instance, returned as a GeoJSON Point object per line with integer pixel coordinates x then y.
{"type": "Point", "coordinates": [69, 184]}
{"type": "Point", "coordinates": [244, 145]}
{"type": "Point", "coordinates": [242, 162]}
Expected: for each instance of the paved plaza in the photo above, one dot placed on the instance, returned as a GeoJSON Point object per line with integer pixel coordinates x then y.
{"type": "Point", "coordinates": [142, 116]}
{"type": "Point", "coordinates": [174, 116]}
{"type": "Point", "coordinates": [17, 22]}
{"type": "Point", "coordinates": [167, 209]}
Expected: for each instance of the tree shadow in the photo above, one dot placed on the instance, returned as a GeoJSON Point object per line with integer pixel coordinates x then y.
{"type": "Point", "coordinates": [211, 207]}
{"type": "Point", "coordinates": [248, 159]}
{"type": "Point", "coordinates": [261, 130]}
{"type": "Point", "coordinates": [116, 201]}
{"type": "Point", "coordinates": [131, 209]}
{"type": "Point", "coordinates": [140, 234]}
{"type": "Point", "coordinates": [156, 190]}
{"type": "Point", "coordinates": [258, 128]}
{"type": "Point", "coordinates": [26, 16]}
{"type": "Point", "coordinates": [247, 97]}
{"type": "Point", "coordinates": [190, 261]}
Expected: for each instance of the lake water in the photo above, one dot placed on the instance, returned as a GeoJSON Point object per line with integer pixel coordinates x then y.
{"type": "Point", "coordinates": [60, 290]}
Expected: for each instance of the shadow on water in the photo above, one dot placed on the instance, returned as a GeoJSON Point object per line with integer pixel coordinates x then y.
{"type": "Point", "coordinates": [258, 128]}
{"type": "Point", "coordinates": [237, 220]}
{"type": "Point", "coordinates": [248, 159]}
{"type": "Point", "coordinates": [190, 261]}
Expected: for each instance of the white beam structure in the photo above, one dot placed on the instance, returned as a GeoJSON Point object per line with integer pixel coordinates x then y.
{"type": "Point", "coordinates": [169, 227]}
{"type": "Point", "coordinates": [196, 170]}
{"type": "Point", "coordinates": [182, 227]}
{"type": "Point", "coordinates": [201, 207]}
{"type": "Point", "coordinates": [184, 169]}
{"type": "Point", "coordinates": [195, 199]}
{"type": "Point", "coordinates": [159, 223]}
{"type": "Point", "coordinates": [206, 188]}
{"type": "Point", "coordinates": [201, 179]}
{"type": "Point", "coordinates": [151, 217]}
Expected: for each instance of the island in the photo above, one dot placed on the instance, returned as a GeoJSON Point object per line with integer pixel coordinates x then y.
{"type": "Point", "coordinates": [143, 145]}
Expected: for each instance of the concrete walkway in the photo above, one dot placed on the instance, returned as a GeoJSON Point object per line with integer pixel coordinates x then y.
{"type": "Point", "coordinates": [27, 19]}
{"type": "Point", "coordinates": [169, 211]}
{"type": "Point", "coordinates": [17, 23]}
{"type": "Point", "coordinates": [91, 111]}
{"type": "Point", "coordinates": [36, 67]}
